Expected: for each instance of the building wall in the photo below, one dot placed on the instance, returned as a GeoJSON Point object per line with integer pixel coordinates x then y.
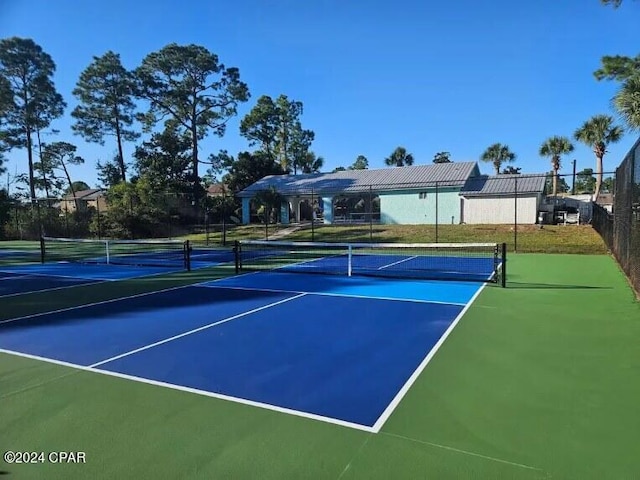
{"type": "Point", "coordinates": [419, 207]}
{"type": "Point", "coordinates": [499, 210]}
{"type": "Point", "coordinates": [100, 204]}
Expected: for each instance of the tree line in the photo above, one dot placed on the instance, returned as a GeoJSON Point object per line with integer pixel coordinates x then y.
{"type": "Point", "coordinates": [181, 94]}
{"type": "Point", "coordinates": [178, 96]}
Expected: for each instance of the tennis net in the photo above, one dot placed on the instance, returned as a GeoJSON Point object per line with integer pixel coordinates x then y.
{"type": "Point", "coordinates": [150, 253]}
{"type": "Point", "coordinates": [483, 262]}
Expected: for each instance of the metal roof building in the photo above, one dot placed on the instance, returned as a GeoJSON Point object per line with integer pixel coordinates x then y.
{"type": "Point", "coordinates": [423, 194]}
{"type": "Point", "coordinates": [502, 199]}
{"type": "Point", "coordinates": [523, 184]}
{"type": "Point", "coordinates": [353, 181]}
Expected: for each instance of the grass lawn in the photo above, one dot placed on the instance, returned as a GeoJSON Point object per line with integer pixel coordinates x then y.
{"type": "Point", "coordinates": [572, 239]}
{"type": "Point", "coordinates": [528, 238]}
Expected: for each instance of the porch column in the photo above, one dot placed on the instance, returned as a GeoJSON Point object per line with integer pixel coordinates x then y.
{"type": "Point", "coordinates": [284, 212]}
{"type": "Point", "coordinates": [327, 207]}
{"type": "Point", "coordinates": [246, 210]}
{"type": "Point", "coordinates": [295, 206]}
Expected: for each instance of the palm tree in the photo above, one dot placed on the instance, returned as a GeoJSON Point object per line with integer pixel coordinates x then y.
{"type": "Point", "coordinates": [442, 157]}
{"type": "Point", "coordinates": [498, 154]}
{"type": "Point", "coordinates": [627, 102]}
{"type": "Point", "coordinates": [554, 148]}
{"type": "Point", "coordinates": [598, 132]}
{"type": "Point", "coordinates": [311, 163]}
{"type": "Point", "coordinates": [399, 158]}
{"type": "Point", "coordinates": [270, 199]}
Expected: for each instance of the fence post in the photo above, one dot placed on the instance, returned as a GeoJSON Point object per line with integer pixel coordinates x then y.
{"type": "Point", "coordinates": [99, 220]}
{"type": "Point", "coordinates": [371, 213]}
{"type": "Point", "coordinates": [224, 218]}
{"type": "Point", "coordinates": [515, 215]}
{"type": "Point", "coordinates": [436, 212]}
{"type": "Point", "coordinates": [313, 216]}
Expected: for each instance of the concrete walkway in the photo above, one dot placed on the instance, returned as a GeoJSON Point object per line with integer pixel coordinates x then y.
{"type": "Point", "coordinates": [280, 234]}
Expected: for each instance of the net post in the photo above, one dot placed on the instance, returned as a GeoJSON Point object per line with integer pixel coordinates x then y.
{"type": "Point", "coordinates": [42, 250]}
{"type": "Point", "coordinates": [349, 260]}
{"type": "Point", "coordinates": [187, 255]}
{"type": "Point", "coordinates": [236, 255]}
{"type": "Point", "coordinates": [503, 277]}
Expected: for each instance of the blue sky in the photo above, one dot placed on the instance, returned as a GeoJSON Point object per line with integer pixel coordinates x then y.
{"type": "Point", "coordinates": [428, 75]}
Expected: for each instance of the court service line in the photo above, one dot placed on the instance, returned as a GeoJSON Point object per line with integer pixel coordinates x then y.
{"type": "Point", "coordinates": [219, 396]}
{"type": "Point", "coordinates": [101, 302]}
{"type": "Point", "coordinates": [75, 307]}
{"type": "Point", "coordinates": [38, 275]}
{"type": "Point", "coordinates": [195, 330]}
{"type": "Point", "coordinates": [405, 388]}
{"type": "Point", "coordinates": [29, 292]}
{"type": "Point", "coordinates": [13, 275]}
{"type": "Point", "coordinates": [396, 263]}
{"type": "Point", "coordinates": [328, 294]}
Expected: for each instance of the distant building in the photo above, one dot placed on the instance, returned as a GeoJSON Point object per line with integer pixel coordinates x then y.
{"type": "Point", "coordinates": [442, 193]}
{"type": "Point", "coordinates": [502, 199]}
{"type": "Point", "coordinates": [83, 200]}
{"type": "Point", "coordinates": [216, 190]}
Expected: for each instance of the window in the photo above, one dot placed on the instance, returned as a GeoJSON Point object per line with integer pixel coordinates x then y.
{"type": "Point", "coordinates": [422, 195]}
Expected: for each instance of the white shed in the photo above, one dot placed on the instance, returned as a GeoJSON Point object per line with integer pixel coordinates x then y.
{"type": "Point", "coordinates": [502, 199]}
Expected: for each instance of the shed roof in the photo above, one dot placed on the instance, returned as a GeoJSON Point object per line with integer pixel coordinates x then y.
{"type": "Point", "coordinates": [383, 179]}
{"type": "Point", "coordinates": [496, 185]}
{"type": "Point", "coordinates": [90, 194]}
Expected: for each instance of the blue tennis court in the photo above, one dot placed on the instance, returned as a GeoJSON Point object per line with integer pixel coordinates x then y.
{"type": "Point", "coordinates": [19, 254]}
{"type": "Point", "coordinates": [21, 279]}
{"type": "Point", "coordinates": [338, 349]}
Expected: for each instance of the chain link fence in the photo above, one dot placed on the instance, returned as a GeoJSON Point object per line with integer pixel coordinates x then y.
{"type": "Point", "coordinates": [488, 205]}
{"type": "Point", "coordinates": [484, 208]}
{"type": "Point", "coordinates": [620, 228]}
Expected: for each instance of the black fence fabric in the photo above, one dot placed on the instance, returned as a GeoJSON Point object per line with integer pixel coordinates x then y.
{"type": "Point", "coordinates": [620, 229]}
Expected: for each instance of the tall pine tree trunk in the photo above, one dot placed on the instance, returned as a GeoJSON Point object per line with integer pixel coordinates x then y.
{"type": "Point", "coordinates": [32, 180]}
{"type": "Point", "coordinates": [123, 170]}
{"type": "Point", "coordinates": [44, 169]}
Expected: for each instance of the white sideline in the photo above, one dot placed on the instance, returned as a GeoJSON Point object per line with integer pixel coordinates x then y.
{"type": "Point", "coordinates": [195, 330]}
{"type": "Point", "coordinates": [405, 388]}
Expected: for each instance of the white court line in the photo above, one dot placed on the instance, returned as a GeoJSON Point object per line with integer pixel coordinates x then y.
{"type": "Point", "coordinates": [195, 330]}
{"type": "Point", "coordinates": [196, 391]}
{"type": "Point", "coordinates": [405, 388]}
{"type": "Point", "coordinates": [90, 281]}
{"type": "Point", "coordinates": [35, 274]}
{"type": "Point", "coordinates": [75, 307]}
{"type": "Point", "coordinates": [399, 261]}
{"type": "Point", "coordinates": [328, 294]}
{"type": "Point", "coordinates": [465, 452]}
{"type": "Point", "coordinates": [17, 294]}
{"type": "Point", "coordinates": [14, 276]}
{"type": "Point", "coordinates": [374, 429]}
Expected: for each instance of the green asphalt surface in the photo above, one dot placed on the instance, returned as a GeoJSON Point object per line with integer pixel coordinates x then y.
{"type": "Point", "coordinates": [540, 380]}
